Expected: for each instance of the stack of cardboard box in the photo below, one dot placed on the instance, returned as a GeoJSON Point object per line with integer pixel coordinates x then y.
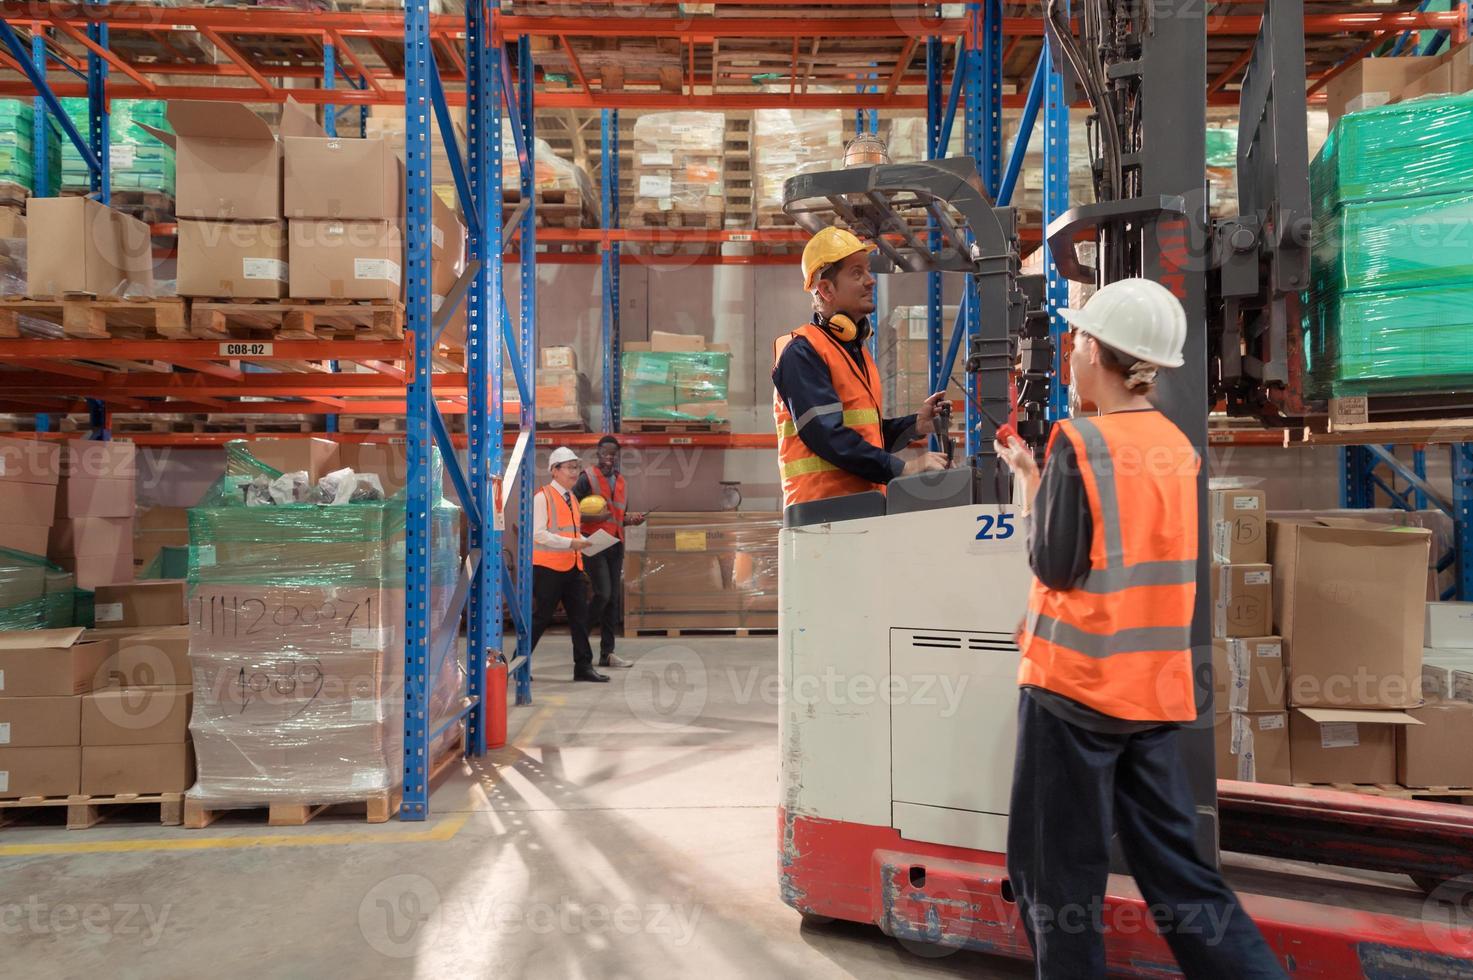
{"type": "Point", "coordinates": [904, 357]}
{"type": "Point", "coordinates": [713, 570]}
{"type": "Point", "coordinates": [92, 536]}
{"type": "Point", "coordinates": [1371, 82]}
{"type": "Point", "coordinates": [44, 674]}
{"type": "Point", "coordinates": [675, 377]}
{"type": "Point", "coordinates": [155, 529]}
{"type": "Point", "coordinates": [76, 245]}
{"type": "Point", "coordinates": [29, 469]}
{"type": "Point", "coordinates": [678, 170]}
{"type": "Point", "coordinates": [563, 392]}
{"type": "Point", "coordinates": [1349, 601]}
{"type": "Point", "coordinates": [1435, 753]}
{"type": "Point", "coordinates": [1248, 659]}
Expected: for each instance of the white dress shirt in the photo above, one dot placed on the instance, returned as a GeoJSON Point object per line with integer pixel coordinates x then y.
{"type": "Point", "coordinates": [541, 536]}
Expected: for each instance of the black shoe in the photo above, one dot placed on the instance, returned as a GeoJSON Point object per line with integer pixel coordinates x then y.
{"type": "Point", "coordinates": [589, 674]}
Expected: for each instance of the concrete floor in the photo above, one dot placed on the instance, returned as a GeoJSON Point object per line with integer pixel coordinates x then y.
{"type": "Point", "coordinates": [627, 830]}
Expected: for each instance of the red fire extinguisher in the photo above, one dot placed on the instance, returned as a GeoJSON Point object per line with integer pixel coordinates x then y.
{"type": "Point", "coordinates": [496, 702]}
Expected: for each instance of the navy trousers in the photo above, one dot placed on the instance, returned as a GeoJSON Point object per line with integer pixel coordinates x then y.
{"type": "Point", "coordinates": [1071, 789]}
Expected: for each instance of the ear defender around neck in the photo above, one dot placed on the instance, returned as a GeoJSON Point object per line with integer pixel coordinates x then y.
{"type": "Point", "coordinates": [845, 329]}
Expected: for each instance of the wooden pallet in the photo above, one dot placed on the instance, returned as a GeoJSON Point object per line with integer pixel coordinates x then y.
{"type": "Point", "coordinates": [253, 424]}
{"type": "Point", "coordinates": [674, 427]}
{"type": "Point", "coordinates": [297, 319]}
{"type": "Point", "coordinates": [126, 424]}
{"type": "Point", "coordinates": [89, 317]}
{"type": "Point", "coordinates": [377, 808]}
{"type": "Point", "coordinates": [558, 207]}
{"type": "Point", "coordinates": [88, 811]}
{"type": "Point", "coordinates": [675, 218]}
{"type": "Point", "coordinates": [1394, 791]}
{"type": "Point", "coordinates": [370, 423]}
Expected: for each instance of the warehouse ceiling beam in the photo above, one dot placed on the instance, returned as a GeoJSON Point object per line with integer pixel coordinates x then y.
{"type": "Point", "coordinates": [1231, 72]}
{"type": "Point", "coordinates": [346, 50]}
{"type": "Point", "coordinates": [907, 54]}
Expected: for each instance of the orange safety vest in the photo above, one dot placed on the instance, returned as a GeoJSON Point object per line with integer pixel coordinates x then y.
{"type": "Point", "coordinates": [1120, 640]}
{"type": "Point", "coordinates": [807, 476]}
{"type": "Point", "coordinates": [617, 503]}
{"type": "Point", "coordinates": [562, 521]}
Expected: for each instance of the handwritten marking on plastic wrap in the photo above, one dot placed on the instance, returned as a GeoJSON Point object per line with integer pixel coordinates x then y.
{"type": "Point", "coordinates": [232, 616]}
{"type": "Point", "coordinates": [277, 683]}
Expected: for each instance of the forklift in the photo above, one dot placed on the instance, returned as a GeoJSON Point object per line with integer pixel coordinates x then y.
{"type": "Point", "coordinates": [893, 809]}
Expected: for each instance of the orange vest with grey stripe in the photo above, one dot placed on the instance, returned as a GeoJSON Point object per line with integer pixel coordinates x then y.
{"type": "Point", "coordinates": [807, 476]}
{"type": "Point", "coordinates": [562, 521]}
{"type": "Point", "coordinates": [1120, 640]}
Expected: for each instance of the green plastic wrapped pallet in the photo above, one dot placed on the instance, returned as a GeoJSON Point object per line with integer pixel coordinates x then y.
{"type": "Point", "coordinates": [137, 160]}
{"type": "Point", "coordinates": [35, 594]}
{"type": "Point", "coordinates": [1396, 244]}
{"type": "Point", "coordinates": [17, 144]}
{"type": "Point", "coordinates": [688, 386]}
{"type": "Point", "coordinates": [1392, 341]}
{"type": "Point", "coordinates": [1402, 150]}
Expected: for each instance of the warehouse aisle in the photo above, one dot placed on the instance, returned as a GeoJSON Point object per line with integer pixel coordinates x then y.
{"type": "Point", "coordinates": [626, 831]}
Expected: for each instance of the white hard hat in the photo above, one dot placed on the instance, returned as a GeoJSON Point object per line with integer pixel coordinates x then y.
{"type": "Point", "coordinates": [560, 455]}
{"type": "Point", "coordinates": [1137, 317]}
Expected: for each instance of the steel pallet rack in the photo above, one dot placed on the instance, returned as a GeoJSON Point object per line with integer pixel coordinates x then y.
{"type": "Point", "coordinates": [445, 61]}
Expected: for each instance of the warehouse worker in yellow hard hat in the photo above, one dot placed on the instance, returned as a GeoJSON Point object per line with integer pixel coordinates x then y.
{"type": "Point", "coordinates": [831, 438]}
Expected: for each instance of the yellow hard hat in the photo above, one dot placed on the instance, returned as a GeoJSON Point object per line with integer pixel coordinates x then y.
{"type": "Point", "coordinates": [827, 247]}
{"type": "Point", "coordinates": [592, 504]}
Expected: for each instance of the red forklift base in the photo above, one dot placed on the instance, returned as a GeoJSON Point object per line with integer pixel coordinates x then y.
{"type": "Point", "coordinates": [958, 897]}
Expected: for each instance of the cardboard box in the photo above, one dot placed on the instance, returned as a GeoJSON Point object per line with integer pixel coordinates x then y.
{"type": "Point", "coordinates": [447, 235]}
{"type": "Point", "coordinates": [227, 162]}
{"type": "Point", "coordinates": [669, 343]}
{"type": "Point", "coordinates": [559, 358]}
{"type": "Point", "coordinates": [75, 245]}
{"type": "Point", "coordinates": [148, 657]}
{"type": "Point", "coordinates": [1447, 675]}
{"type": "Point", "coordinates": [1435, 753]}
{"type": "Point", "coordinates": [1253, 748]}
{"type": "Point", "coordinates": [1385, 77]}
{"type": "Point", "coordinates": [30, 539]}
{"type": "Point", "coordinates": [1437, 80]}
{"type": "Point", "coordinates": [136, 715]}
{"type": "Point", "coordinates": [99, 571]}
{"type": "Point", "coordinates": [343, 688]}
{"type": "Point", "coordinates": [50, 771]}
{"type": "Point", "coordinates": [73, 536]}
{"type": "Point", "coordinates": [111, 770]}
{"type": "Point", "coordinates": [1349, 598]}
{"type": "Point", "coordinates": [1238, 530]}
{"type": "Point", "coordinates": [1448, 626]}
{"type": "Point", "coordinates": [86, 497]}
{"type": "Point", "coordinates": [1242, 600]}
{"type": "Point", "coordinates": [158, 527]}
{"type": "Point", "coordinates": [326, 620]}
{"type": "Point", "coordinates": [1331, 745]}
{"type": "Point", "coordinates": [346, 260]}
{"type": "Point", "coordinates": [54, 720]}
{"type": "Point", "coordinates": [232, 259]}
{"type": "Point", "coordinates": [12, 224]}
{"type": "Point", "coordinates": [335, 177]}
{"type": "Point", "coordinates": [160, 602]}
{"type": "Point", "coordinates": [55, 662]}
{"type": "Point", "coordinates": [32, 504]}
{"type": "Point", "coordinates": [318, 457]}
{"type": "Point", "coordinates": [88, 459]}
{"type": "Point", "coordinates": [1248, 674]}
{"type": "Point", "coordinates": [29, 461]}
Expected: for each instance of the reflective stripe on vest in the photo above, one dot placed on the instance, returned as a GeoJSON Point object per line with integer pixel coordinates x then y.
{"type": "Point", "coordinates": [615, 497]}
{"type": "Point", "coordinates": [564, 523]}
{"type": "Point", "coordinates": [1120, 640]}
{"type": "Point", "coordinates": [805, 475]}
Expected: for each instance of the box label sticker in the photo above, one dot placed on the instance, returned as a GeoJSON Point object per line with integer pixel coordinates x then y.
{"type": "Point", "coordinates": [780, 157]}
{"type": "Point", "coordinates": [1245, 503]}
{"type": "Point", "coordinates": [121, 156]}
{"type": "Point", "coordinates": [1257, 578]}
{"type": "Point", "coordinates": [1274, 650]}
{"type": "Point", "coordinates": [4, 733]}
{"type": "Point", "coordinates": [1339, 735]}
{"type": "Point", "coordinates": [666, 159]}
{"type": "Point", "coordinates": [381, 270]}
{"type": "Point", "coordinates": [654, 185]}
{"type": "Point", "coordinates": [1269, 723]}
{"type": "Point", "coordinates": [4, 780]}
{"type": "Point", "coordinates": [436, 301]}
{"type": "Point", "coordinates": [269, 269]}
{"type": "Point", "coordinates": [370, 637]}
{"type": "Point", "coordinates": [2, 465]}
{"type": "Point", "coordinates": [1219, 619]}
{"type": "Point", "coordinates": [690, 540]}
{"type": "Point", "coordinates": [437, 236]}
{"type": "Point", "coordinates": [108, 612]}
{"type": "Point", "coordinates": [652, 370]}
{"type": "Point", "coordinates": [365, 709]}
{"type": "Point", "coordinates": [366, 780]}
{"type": "Point", "coordinates": [2, 680]}
{"type": "Point", "coordinates": [204, 555]}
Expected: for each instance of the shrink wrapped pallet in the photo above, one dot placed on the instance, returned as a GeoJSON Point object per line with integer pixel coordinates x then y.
{"type": "Point", "coordinates": [35, 594]}
{"type": "Point", "coordinates": [713, 570]}
{"type": "Point", "coordinates": [788, 142]}
{"type": "Point", "coordinates": [678, 158]}
{"type": "Point", "coordinates": [17, 144]}
{"type": "Point", "coordinates": [684, 386]}
{"type": "Point", "coordinates": [296, 637]}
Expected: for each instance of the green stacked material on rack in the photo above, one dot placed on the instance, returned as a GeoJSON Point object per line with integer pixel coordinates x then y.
{"type": "Point", "coordinates": [17, 144]}
{"type": "Point", "coordinates": [35, 594]}
{"type": "Point", "coordinates": [138, 161]}
{"type": "Point", "coordinates": [1222, 147]}
{"type": "Point", "coordinates": [1390, 304]}
{"type": "Point", "coordinates": [686, 386]}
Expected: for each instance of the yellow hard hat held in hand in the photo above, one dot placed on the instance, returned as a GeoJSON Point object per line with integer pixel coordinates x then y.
{"type": "Point", "coordinates": [592, 505]}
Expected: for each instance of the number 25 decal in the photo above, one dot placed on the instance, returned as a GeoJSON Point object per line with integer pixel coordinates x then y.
{"type": "Point", "coordinates": [994, 528]}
